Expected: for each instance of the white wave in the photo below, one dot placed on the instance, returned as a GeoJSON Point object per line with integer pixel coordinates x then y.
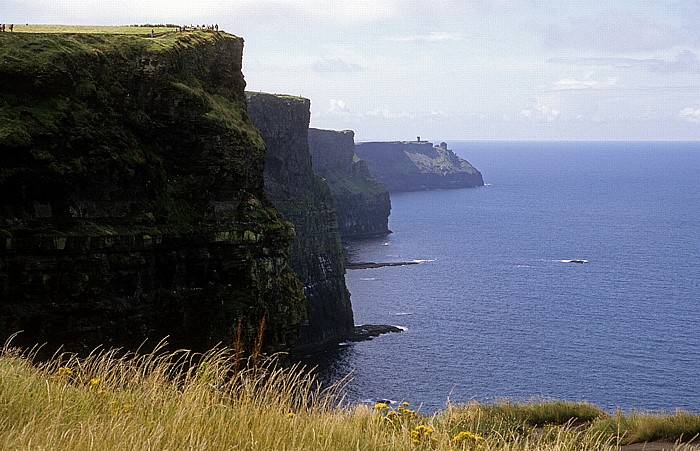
{"type": "Point", "coordinates": [403, 313]}
{"type": "Point", "coordinates": [404, 329]}
{"type": "Point", "coordinates": [422, 261]}
{"type": "Point", "coordinates": [345, 343]}
{"type": "Point", "coordinates": [368, 278]}
{"type": "Point", "coordinates": [573, 261]}
{"type": "Point", "coordinates": [523, 266]}
{"type": "Point", "coordinates": [374, 401]}
{"type": "Point", "coordinates": [385, 244]}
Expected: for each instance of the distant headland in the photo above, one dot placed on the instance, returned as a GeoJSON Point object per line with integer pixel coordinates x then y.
{"type": "Point", "coordinates": [417, 165]}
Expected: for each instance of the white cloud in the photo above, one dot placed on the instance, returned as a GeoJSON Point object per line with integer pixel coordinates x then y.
{"type": "Point", "coordinates": [570, 84]}
{"type": "Point", "coordinates": [338, 107]}
{"type": "Point", "coordinates": [545, 110]}
{"type": "Point", "coordinates": [335, 11]}
{"type": "Point", "coordinates": [690, 114]}
{"type": "Point", "coordinates": [387, 113]}
{"type": "Point", "coordinates": [684, 61]}
{"type": "Point", "coordinates": [335, 65]}
{"type": "Point", "coordinates": [614, 31]}
{"type": "Point", "coordinates": [548, 113]}
{"type": "Point", "coordinates": [430, 37]}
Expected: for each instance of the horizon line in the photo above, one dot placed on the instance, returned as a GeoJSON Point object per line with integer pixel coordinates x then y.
{"type": "Point", "coordinates": [529, 140]}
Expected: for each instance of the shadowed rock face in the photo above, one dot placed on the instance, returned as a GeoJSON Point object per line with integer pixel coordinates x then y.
{"type": "Point", "coordinates": [362, 202]}
{"type": "Point", "coordinates": [304, 199]}
{"type": "Point", "coordinates": [417, 165]}
{"type": "Point", "coordinates": [131, 195]}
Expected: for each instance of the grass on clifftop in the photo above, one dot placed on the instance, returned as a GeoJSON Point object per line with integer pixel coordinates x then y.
{"type": "Point", "coordinates": [182, 400]}
{"type": "Point", "coordinates": [44, 45]}
{"type": "Point", "coordinates": [90, 29]}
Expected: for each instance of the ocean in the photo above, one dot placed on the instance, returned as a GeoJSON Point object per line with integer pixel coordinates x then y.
{"type": "Point", "coordinates": [496, 310]}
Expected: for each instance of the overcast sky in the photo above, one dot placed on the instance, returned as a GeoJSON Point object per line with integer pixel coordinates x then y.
{"type": "Point", "coordinates": [451, 69]}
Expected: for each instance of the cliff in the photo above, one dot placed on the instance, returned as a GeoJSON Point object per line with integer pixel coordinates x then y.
{"type": "Point", "coordinates": [362, 202]}
{"type": "Point", "coordinates": [417, 165]}
{"type": "Point", "coordinates": [131, 195]}
{"type": "Point", "coordinates": [304, 199]}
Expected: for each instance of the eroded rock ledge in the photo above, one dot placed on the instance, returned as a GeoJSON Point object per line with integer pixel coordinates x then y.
{"type": "Point", "coordinates": [369, 331]}
{"type": "Point", "coordinates": [361, 201]}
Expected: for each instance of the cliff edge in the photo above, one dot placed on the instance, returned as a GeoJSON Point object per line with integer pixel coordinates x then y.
{"type": "Point", "coordinates": [362, 202]}
{"type": "Point", "coordinates": [305, 199]}
{"type": "Point", "coordinates": [131, 195]}
{"type": "Point", "coordinates": [417, 165]}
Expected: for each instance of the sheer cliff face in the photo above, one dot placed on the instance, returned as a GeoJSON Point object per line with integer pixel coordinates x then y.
{"type": "Point", "coordinates": [305, 199]}
{"type": "Point", "coordinates": [417, 165]}
{"type": "Point", "coordinates": [362, 202]}
{"type": "Point", "coordinates": [131, 195]}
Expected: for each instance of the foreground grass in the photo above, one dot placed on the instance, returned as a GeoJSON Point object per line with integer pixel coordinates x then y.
{"type": "Point", "coordinates": [183, 400]}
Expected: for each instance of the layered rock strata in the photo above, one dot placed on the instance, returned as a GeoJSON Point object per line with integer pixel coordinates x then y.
{"type": "Point", "coordinates": [305, 199]}
{"type": "Point", "coordinates": [417, 165]}
{"type": "Point", "coordinates": [362, 202]}
{"type": "Point", "coordinates": [131, 195]}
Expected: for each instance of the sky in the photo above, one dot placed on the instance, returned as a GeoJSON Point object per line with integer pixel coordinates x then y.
{"type": "Point", "coordinates": [451, 69]}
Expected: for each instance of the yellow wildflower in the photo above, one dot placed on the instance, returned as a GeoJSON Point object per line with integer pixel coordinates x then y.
{"type": "Point", "coordinates": [407, 413]}
{"type": "Point", "coordinates": [466, 437]}
{"type": "Point", "coordinates": [421, 433]}
{"type": "Point", "coordinates": [95, 381]}
{"type": "Point", "coordinates": [61, 372]}
{"type": "Point", "coordinates": [124, 407]}
{"type": "Point", "coordinates": [380, 406]}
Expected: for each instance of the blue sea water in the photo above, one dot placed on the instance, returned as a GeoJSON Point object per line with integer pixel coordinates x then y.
{"type": "Point", "coordinates": [494, 312]}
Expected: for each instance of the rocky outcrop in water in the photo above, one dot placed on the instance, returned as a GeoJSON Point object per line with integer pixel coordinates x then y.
{"type": "Point", "coordinates": [362, 202]}
{"type": "Point", "coordinates": [417, 165]}
{"type": "Point", "coordinates": [131, 195]}
{"type": "Point", "coordinates": [304, 199]}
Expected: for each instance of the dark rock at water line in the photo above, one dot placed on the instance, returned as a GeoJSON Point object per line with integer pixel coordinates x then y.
{"type": "Point", "coordinates": [373, 265]}
{"type": "Point", "coordinates": [369, 331]}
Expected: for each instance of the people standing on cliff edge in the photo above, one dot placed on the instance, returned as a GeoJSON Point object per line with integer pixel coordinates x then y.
{"type": "Point", "coordinates": [11, 27]}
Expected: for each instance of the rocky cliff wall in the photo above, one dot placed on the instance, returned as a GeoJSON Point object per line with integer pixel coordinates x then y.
{"type": "Point", "coordinates": [131, 195]}
{"type": "Point", "coordinates": [417, 165]}
{"type": "Point", "coordinates": [305, 199]}
{"type": "Point", "coordinates": [362, 202]}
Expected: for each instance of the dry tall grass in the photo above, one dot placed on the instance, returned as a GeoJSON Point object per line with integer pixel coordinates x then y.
{"type": "Point", "coordinates": [183, 400]}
